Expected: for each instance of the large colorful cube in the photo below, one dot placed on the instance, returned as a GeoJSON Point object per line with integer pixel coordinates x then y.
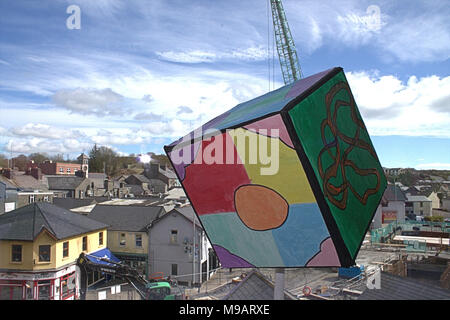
{"type": "Point", "coordinates": [289, 179]}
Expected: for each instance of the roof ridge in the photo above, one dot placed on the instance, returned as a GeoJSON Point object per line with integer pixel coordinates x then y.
{"type": "Point", "coordinates": [45, 219]}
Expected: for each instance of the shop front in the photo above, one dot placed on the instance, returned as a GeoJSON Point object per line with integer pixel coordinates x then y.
{"type": "Point", "coordinates": [53, 285]}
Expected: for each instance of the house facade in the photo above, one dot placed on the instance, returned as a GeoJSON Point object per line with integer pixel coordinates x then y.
{"type": "Point", "coordinates": [179, 247]}
{"type": "Point", "coordinates": [161, 177]}
{"type": "Point", "coordinates": [69, 187]}
{"type": "Point", "coordinates": [38, 251]}
{"type": "Point", "coordinates": [418, 205]}
{"type": "Point", "coordinates": [25, 198]}
{"type": "Point", "coordinates": [128, 232]}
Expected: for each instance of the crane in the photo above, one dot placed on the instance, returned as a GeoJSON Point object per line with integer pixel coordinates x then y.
{"type": "Point", "coordinates": [287, 52]}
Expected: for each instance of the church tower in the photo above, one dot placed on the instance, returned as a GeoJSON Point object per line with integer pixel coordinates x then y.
{"type": "Point", "coordinates": [84, 162]}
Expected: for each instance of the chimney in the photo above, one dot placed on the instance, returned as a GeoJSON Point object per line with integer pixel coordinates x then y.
{"type": "Point", "coordinates": [36, 173]}
{"type": "Point", "coordinates": [8, 173]}
{"type": "Point", "coordinates": [153, 171]}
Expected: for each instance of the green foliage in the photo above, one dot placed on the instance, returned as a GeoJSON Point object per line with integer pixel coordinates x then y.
{"type": "Point", "coordinates": [434, 219]}
{"type": "Point", "coordinates": [38, 157]}
{"type": "Point", "coordinates": [3, 161]}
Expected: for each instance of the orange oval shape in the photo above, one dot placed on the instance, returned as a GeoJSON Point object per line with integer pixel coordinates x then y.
{"type": "Point", "coordinates": [260, 208]}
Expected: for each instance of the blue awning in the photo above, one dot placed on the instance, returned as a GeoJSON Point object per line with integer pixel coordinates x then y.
{"type": "Point", "coordinates": [103, 253]}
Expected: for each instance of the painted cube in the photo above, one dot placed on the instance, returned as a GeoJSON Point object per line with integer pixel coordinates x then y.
{"type": "Point", "coordinates": [289, 179]}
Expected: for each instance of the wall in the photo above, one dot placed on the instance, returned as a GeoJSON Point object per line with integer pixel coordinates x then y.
{"type": "Point", "coordinates": [435, 201]}
{"type": "Point", "coordinates": [23, 198]}
{"type": "Point", "coordinates": [130, 240]}
{"type": "Point", "coordinates": [426, 208]}
{"type": "Point", "coordinates": [398, 207]}
{"type": "Point", "coordinates": [2, 197]}
{"type": "Point", "coordinates": [163, 253]}
{"type": "Point", "coordinates": [30, 251]}
{"type": "Point", "coordinates": [377, 219]}
{"type": "Point", "coordinates": [54, 168]}
{"type": "Point", "coordinates": [446, 204]}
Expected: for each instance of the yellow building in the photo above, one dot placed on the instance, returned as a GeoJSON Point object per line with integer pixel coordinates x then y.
{"type": "Point", "coordinates": [39, 246]}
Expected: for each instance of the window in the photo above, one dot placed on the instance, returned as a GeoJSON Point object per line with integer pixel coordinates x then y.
{"type": "Point", "coordinates": [44, 253]}
{"type": "Point", "coordinates": [421, 204]}
{"type": "Point", "coordinates": [100, 238]}
{"type": "Point", "coordinates": [31, 198]}
{"type": "Point", "coordinates": [174, 269]}
{"type": "Point", "coordinates": [44, 290]}
{"type": "Point", "coordinates": [46, 199]}
{"type": "Point", "coordinates": [174, 236]}
{"type": "Point", "coordinates": [66, 249]}
{"type": "Point", "coordinates": [138, 241]}
{"type": "Point", "coordinates": [61, 170]}
{"type": "Point", "coordinates": [122, 240]}
{"type": "Point", "coordinates": [68, 170]}
{"type": "Point", "coordinates": [11, 290]}
{"type": "Point", "coordinates": [85, 243]}
{"type": "Point", "coordinates": [16, 251]}
{"type": "Point", "coordinates": [68, 286]}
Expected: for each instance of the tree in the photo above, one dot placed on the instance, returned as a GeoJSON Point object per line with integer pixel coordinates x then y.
{"type": "Point", "coordinates": [103, 159]}
{"type": "Point", "coordinates": [3, 161]}
{"type": "Point", "coordinates": [38, 157]}
{"type": "Point", "coordinates": [20, 162]}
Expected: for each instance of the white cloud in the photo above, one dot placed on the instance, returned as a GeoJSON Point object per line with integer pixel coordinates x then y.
{"type": "Point", "coordinates": [101, 102]}
{"type": "Point", "coordinates": [392, 107]}
{"type": "Point", "coordinates": [435, 166]}
{"type": "Point", "coordinates": [415, 33]}
{"type": "Point", "coordinates": [32, 145]}
{"type": "Point", "coordinates": [197, 56]}
{"type": "Point", "coordinates": [120, 136]}
{"type": "Point", "coordinates": [43, 131]}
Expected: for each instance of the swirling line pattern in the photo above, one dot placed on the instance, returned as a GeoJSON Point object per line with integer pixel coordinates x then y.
{"type": "Point", "coordinates": [340, 159]}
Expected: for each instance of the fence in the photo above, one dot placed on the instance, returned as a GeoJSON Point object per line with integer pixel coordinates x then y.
{"type": "Point", "coordinates": [386, 233]}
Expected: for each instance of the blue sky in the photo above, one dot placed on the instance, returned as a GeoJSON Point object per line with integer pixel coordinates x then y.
{"type": "Point", "coordinates": [140, 74]}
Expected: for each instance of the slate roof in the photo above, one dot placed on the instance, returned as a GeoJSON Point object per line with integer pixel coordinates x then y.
{"type": "Point", "coordinates": [9, 184]}
{"type": "Point", "coordinates": [397, 288]}
{"type": "Point", "coordinates": [140, 177]}
{"type": "Point", "coordinates": [393, 193]}
{"type": "Point", "coordinates": [71, 203]}
{"type": "Point", "coordinates": [168, 173]}
{"type": "Point", "coordinates": [27, 222]}
{"type": "Point", "coordinates": [417, 198]}
{"type": "Point", "coordinates": [126, 218]}
{"type": "Point", "coordinates": [27, 182]}
{"type": "Point", "coordinates": [255, 286]}
{"type": "Point", "coordinates": [64, 183]}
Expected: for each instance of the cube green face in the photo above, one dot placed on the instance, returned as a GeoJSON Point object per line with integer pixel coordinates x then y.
{"type": "Point", "coordinates": [289, 179]}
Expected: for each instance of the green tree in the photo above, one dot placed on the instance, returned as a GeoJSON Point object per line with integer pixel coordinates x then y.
{"type": "Point", "coordinates": [20, 162]}
{"type": "Point", "coordinates": [103, 159]}
{"type": "Point", "coordinates": [38, 157]}
{"type": "Point", "coordinates": [3, 161]}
